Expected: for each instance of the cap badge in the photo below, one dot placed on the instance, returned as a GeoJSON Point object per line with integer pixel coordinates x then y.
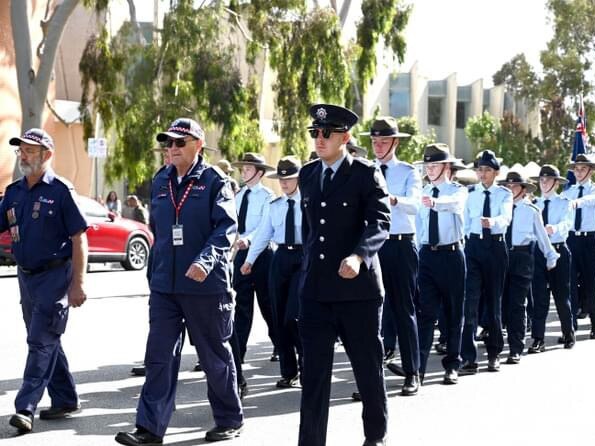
{"type": "Point", "coordinates": [321, 113]}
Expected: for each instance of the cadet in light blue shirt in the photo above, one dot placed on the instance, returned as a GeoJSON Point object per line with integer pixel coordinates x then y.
{"type": "Point", "coordinates": [252, 202]}
{"type": "Point", "coordinates": [441, 259]}
{"type": "Point", "coordinates": [525, 229]}
{"type": "Point", "coordinates": [556, 213]}
{"type": "Point", "coordinates": [283, 225]}
{"type": "Point", "coordinates": [487, 215]}
{"type": "Point", "coordinates": [581, 240]}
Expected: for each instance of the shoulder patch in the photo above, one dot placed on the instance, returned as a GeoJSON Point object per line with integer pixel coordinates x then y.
{"type": "Point", "coordinates": [471, 188]}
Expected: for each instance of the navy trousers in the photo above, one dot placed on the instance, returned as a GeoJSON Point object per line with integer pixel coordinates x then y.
{"type": "Point", "coordinates": [389, 328]}
{"type": "Point", "coordinates": [245, 287]}
{"type": "Point", "coordinates": [45, 311]}
{"type": "Point", "coordinates": [516, 289]}
{"type": "Point", "coordinates": [558, 280]}
{"type": "Point", "coordinates": [284, 278]}
{"type": "Point", "coordinates": [399, 263]}
{"type": "Point", "coordinates": [209, 321]}
{"type": "Point", "coordinates": [582, 276]}
{"type": "Point", "coordinates": [486, 268]}
{"type": "Point", "coordinates": [357, 323]}
{"type": "Point", "coordinates": [441, 292]}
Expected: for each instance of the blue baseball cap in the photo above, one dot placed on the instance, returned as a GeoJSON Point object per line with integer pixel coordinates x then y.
{"type": "Point", "coordinates": [34, 137]}
{"type": "Point", "coordinates": [180, 128]}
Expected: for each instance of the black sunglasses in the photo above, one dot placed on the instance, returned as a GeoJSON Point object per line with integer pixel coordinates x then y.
{"type": "Point", "coordinates": [179, 142]}
{"type": "Point", "coordinates": [326, 132]}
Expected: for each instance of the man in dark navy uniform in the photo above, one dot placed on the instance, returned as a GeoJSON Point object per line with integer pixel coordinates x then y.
{"type": "Point", "coordinates": [50, 247]}
{"type": "Point", "coordinates": [345, 222]}
{"type": "Point", "coordinates": [193, 219]}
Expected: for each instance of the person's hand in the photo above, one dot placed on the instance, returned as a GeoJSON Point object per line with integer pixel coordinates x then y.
{"type": "Point", "coordinates": [427, 201]}
{"type": "Point", "coordinates": [486, 222]}
{"type": "Point", "coordinates": [246, 268]}
{"type": "Point", "coordinates": [76, 295]}
{"type": "Point", "coordinates": [393, 200]}
{"type": "Point", "coordinates": [196, 272]}
{"type": "Point", "coordinates": [350, 266]}
{"type": "Point", "coordinates": [242, 243]}
{"type": "Point", "coordinates": [574, 204]}
{"type": "Point", "coordinates": [549, 229]}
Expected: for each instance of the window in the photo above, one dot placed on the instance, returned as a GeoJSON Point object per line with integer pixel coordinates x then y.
{"type": "Point", "coordinates": [434, 111]}
{"type": "Point", "coordinates": [461, 114]}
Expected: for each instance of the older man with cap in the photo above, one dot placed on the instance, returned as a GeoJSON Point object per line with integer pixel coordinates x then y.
{"type": "Point", "coordinates": [50, 247]}
{"type": "Point", "coordinates": [442, 261]}
{"type": "Point", "coordinates": [193, 219]}
{"type": "Point", "coordinates": [526, 230]}
{"type": "Point", "coordinates": [581, 240]}
{"type": "Point", "coordinates": [226, 167]}
{"type": "Point", "coordinates": [556, 213]}
{"type": "Point", "coordinates": [398, 256]}
{"type": "Point", "coordinates": [252, 202]}
{"type": "Point", "coordinates": [345, 222]}
{"type": "Point", "coordinates": [283, 226]}
{"type": "Point", "coordinates": [488, 213]}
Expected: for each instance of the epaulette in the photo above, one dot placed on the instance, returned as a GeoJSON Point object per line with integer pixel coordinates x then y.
{"type": "Point", "coordinates": [276, 199]}
{"type": "Point", "coordinates": [456, 183]}
{"type": "Point", "coordinates": [14, 183]}
{"type": "Point", "coordinates": [504, 188]}
{"type": "Point", "coordinates": [406, 164]}
{"type": "Point", "coordinates": [531, 205]}
{"type": "Point", "coordinates": [364, 161]}
{"type": "Point", "coordinates": [218, 171]}
{"type": "Point", "coordinates": [160, 170]}
{"type": "Point", "coordinates": [310, 162]}
{"type": "Point", "coordinates": [471, 187]}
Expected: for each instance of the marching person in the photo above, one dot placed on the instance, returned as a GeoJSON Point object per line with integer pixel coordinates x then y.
{"type": "Point", "coordinates": [252, 203]}
{"type": "Point", "coordinates": [49, 244]}
{"type": "Point", "coordinates": [283, 225]}
{"type": "Point", "coordinates": [193, 219]}
{"type": "Point", "coordinates": [398, 256]}
{"type": "Point", "coordinates": [488, 213]}
{"type": "Point", "coordinates": [556, 213]}
{"type": "Point", "coordinates": [525, 230]}
{"type": "Point", "coordinates": [442, 260]}
{"type": "Point", "coordinates": [345, 222]}
{"type": "Point", "coordinates": [581, 240]}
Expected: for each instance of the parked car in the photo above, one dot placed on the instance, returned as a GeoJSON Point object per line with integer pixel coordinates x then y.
{"type": "Point", "coordinates": [111, 238]}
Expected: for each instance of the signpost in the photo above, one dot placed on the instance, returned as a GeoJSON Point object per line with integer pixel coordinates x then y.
{"type": "Point", "coordinates": [97, 148]}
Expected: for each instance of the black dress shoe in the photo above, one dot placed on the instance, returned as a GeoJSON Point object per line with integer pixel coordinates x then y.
{"type": "Point", "coordinates": [287, 383]}
{"type": "Point", "coordinates": [468, 368]}
{"type": "Point", "coordinates": [494, 364]}
{"type": "Point", "coordinates": [396, 369]}
{"type": "Point", "coordinates": [138, 437]}
{"type": "Point", "coordinates": [441, 348]}
{"type": "Point", "coordinates": [537, 347]}
{"type": "Point", "coordinates": [55, 413]}
{"type": "Point", "coordinates": [561, 339]}
{"type": "Point", "coordinates": [482, 336]}
{"type": "Point", "coordinates": [570, 341]}
{"type": "Point", "coordinates": [450, 376]}
{"type": "Point", "coordinates": [23, 421]}
{"type": "Point", "coordinates": [138, 371]}
{"type": "Point", "coordinates": [513, 358]}
{"type": "Point", "coordinates": [374, 443]}
{"type": "Point", "coordinates": [389, 354]}
{"type": "Point", "coordinates": [582, 314]}
{"type": "Point", "coordinates": [274, 357]}
{"type": "Point", "coordinates": [592, 334]}
{"type": "Point", "coordinates": [355, 396]}
{"type": "Point", "coordinates": [198, 367]}
{"type": "Point", "coordinates": [220, 433]}
{"type": "Point", "coordinates": [410, 386]}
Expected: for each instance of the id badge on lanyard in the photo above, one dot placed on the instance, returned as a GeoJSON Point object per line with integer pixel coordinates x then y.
{"type": "Point", "coordinates": [177, 230]}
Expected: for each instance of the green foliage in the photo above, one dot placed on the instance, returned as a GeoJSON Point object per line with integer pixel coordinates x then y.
{"type": "Point", "coordinates": [412, 149]}
{"type": "Point", "coordinates": [514, 144]}
{"type": "Point", "coordinates": [482, 131]}
{"type": "Point", "coordinates": [519, 78]}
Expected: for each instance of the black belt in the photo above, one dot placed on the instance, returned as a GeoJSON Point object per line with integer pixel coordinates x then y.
{"type": "Point", "coordinates": [495, 237]}
{"type": "Point", "coordinates": [401, 237]}
{"type": "Point", "coordinates": [583, 234]}
{"type": "Point", "coordinates": [523, 248]}
{"type": "Point", "coordinates": [290, 247]}
{"type": "Point", "coordinates": [451, 247]}
{"type": "Point", "coordinates": [55, 263]}
{"type": "Point", "coordinates": [558, 245]}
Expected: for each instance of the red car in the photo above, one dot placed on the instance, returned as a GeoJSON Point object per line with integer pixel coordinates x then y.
{"type": "Point", "coordinates": [111, 238]}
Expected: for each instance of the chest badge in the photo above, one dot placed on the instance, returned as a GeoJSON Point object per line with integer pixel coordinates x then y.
{"type": "Point", "coordinates": [36, 208]}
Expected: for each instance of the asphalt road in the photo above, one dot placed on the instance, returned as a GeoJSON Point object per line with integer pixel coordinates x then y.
{"type": "Point", "coordinates": [546, 400]}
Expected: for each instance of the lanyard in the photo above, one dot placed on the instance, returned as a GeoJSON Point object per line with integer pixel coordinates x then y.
{"type": "Point", "coordinates": [178, 207]}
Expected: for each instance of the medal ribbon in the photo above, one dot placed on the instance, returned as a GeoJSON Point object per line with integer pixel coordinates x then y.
{"type": "Point", "coordinates": [178, 207]}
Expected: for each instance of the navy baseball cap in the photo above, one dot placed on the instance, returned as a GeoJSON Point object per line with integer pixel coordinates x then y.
{"type": "Point", "coordinates": [180, 128]}
{"type": "Point", "coordinates": [334, 116]}
{"type": "Point", "coordinates": [35, 137]}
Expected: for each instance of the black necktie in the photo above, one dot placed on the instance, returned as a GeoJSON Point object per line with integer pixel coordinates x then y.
{"type": "Point", "coordinates": [486, 232]}
{"type": "Point", "coordinates": [243, 212]}
{"type": "Point", "coordinates": [290, 223]}
{"type": "Point", "coordinates": [383, 168]}
{"type": "Point", "coordinates": [509, 229]}
{"type": "Point", "coordinates": [578, 213]}
{"type": "Point", "coordinates": [433, 236]}
{"type": "Point", "coordinates": [544, 213]}
{"type": "Point", "coordinates": [326, 183]}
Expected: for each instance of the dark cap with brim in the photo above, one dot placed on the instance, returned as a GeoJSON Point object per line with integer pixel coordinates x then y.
{"type": "Point", "coordinates": [385, 126]}
{"type": "Point", "coordinates": [253, 159]}
{"type": "Point", "coordinates": [288, 167]}
{"type": "Point", "coordinates": [354, 149]}
{"type": "Point", "coordinates": [34, 137]}
{"type": "Point", "coordinates": [332, 116]}
{"type": "Point", "coordinates": [549, 171]}
{"type": "Point", "coordinates": [439, 153]}
{"type": "Point", "coordinates": [581, 159]}
{"type": "Point", "coordinates": [488, 158]}
{"type": "Point", "coordinates": [513, 177]}
{"type": "Point", "coordinates": [181, 128]}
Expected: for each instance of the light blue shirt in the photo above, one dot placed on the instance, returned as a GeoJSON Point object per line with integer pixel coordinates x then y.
{"type": "Point", "coordinates": [527, 227]}
{"type": "Point", "coordinates": [335, 166]}
{"type": "Point", "coordinates": [258, 206]}
{"type": "Point", "coordinates": [559, 216]}
{"type": "Point", "coordinates": [404, 182]}
{"type": "Point", "coordinates": [586, 203]}
{"type": "Point", "coordinates": [500, 209]}
{"type": "Point", "coordinates": [272, 227]}
{"type": "Point", "coordinates": [450, 205]}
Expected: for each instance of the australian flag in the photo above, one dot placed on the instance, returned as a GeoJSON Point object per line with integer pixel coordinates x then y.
{"type": "Point", "coordinates": [580, 139]}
